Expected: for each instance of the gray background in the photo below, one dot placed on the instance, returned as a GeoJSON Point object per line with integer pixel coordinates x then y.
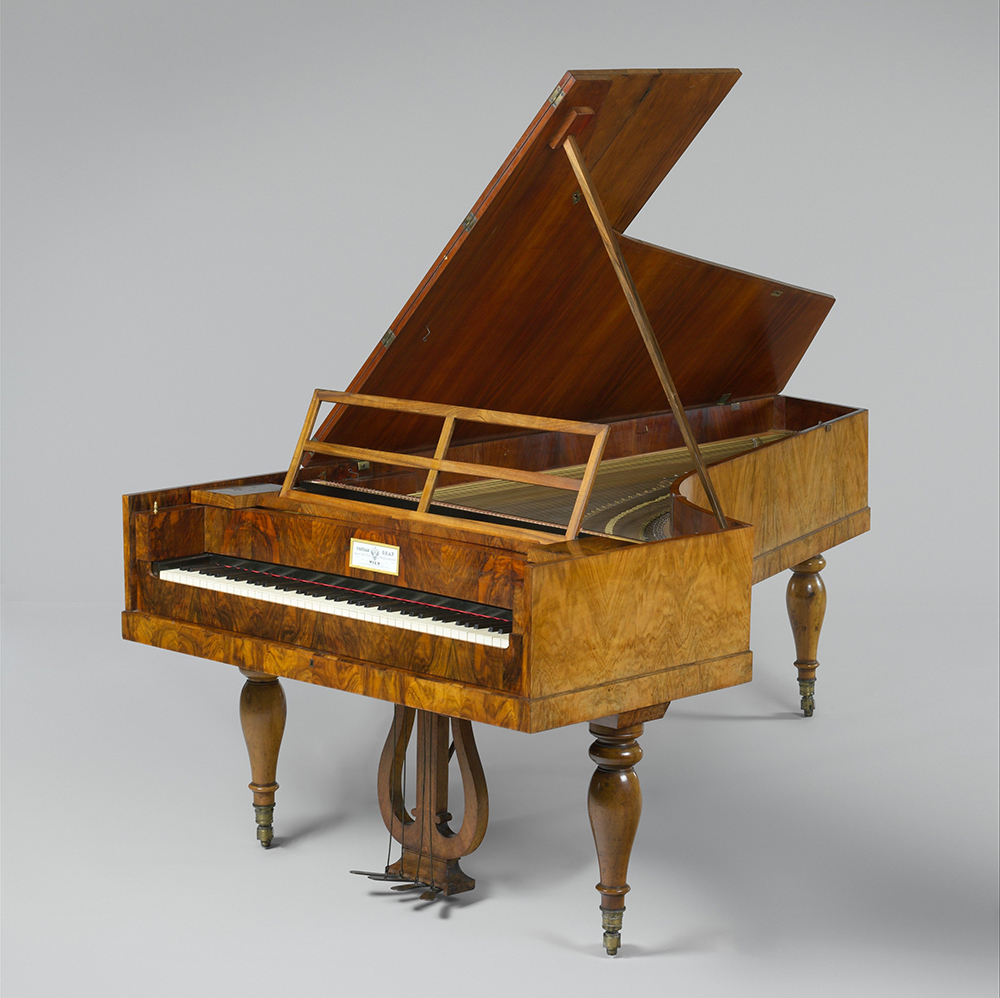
{"type": "Point", "coordinates": [212, 208]}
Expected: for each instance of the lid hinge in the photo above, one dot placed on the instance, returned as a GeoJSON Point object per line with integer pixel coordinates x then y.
{"type": "Point", "coordinates": [470, 221]}
{"type": "Point", "coordinates": [386, 340]}
{"type": "Point", "coordinates": [555, 98]}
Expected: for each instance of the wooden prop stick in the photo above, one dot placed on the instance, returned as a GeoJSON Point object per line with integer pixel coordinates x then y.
{"type": "Point", "coordinates": [572, 150]}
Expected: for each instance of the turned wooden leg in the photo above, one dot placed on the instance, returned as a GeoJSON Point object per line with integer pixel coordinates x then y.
{"type": "Point", "coordinates": [615, 804]}
{"type": "Point", "coordinates": [262, 714]}
{"type": "Point", "coordinates": [806, 601]}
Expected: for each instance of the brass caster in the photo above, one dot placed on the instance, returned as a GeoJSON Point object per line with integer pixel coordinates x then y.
{"type": "Point", "coordinates": [612, 930]}
{"type": "Point", "coordinates": [807, 689]}
{"type": "Point", "coordinates": [265, 830]}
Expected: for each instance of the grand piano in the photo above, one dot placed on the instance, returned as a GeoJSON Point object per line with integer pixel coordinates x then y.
{"type": "Point", "coordinates": [543, 500]}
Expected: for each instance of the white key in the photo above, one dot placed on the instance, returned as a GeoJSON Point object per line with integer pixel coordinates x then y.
{"type": "Point", "coordinates": [372, 615]}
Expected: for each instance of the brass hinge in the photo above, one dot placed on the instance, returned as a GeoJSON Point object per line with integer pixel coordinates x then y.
{"type": "Point", "coordinates": [470, 221]}
{"type": "Point", "coordinates": [555, 98]}
{"type": "Point", "coordinates": [386, 340]}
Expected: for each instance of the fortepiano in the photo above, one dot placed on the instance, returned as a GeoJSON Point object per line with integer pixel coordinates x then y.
{"type": "Point", "coordinates": [543, 500]}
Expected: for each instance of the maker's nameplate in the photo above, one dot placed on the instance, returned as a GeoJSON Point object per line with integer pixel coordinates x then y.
{"type": "Point", "coordinates": [375, 557]}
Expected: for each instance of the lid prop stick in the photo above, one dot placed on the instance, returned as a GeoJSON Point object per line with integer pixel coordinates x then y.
{"type": "Point", "coordinates": [572, 150]}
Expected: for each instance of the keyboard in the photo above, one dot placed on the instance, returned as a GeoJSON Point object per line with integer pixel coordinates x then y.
{"type": "Point", "coordinates": [341, 596]}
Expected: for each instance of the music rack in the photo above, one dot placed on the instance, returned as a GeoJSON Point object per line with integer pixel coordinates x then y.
{"type": "Point", "coordinates": [438, 463]}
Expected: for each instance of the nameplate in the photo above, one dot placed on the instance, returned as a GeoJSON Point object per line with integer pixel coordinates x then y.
{"type": "Point", "coordinates": [374, 557]}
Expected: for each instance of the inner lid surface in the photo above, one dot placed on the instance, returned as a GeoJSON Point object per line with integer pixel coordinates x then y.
{"type": "Point", "coordinates": [522, 310]}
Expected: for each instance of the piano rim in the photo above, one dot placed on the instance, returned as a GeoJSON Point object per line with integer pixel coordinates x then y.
{"type": "Point", "coordinates": [510, 537]}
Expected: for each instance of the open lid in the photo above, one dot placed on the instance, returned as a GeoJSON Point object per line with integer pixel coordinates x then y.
{"type": "Point", "coordinates": [522, 310]}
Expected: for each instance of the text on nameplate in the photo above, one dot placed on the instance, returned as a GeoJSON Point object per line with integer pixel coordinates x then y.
{"type": "Point", "coordinates": [374, 557]}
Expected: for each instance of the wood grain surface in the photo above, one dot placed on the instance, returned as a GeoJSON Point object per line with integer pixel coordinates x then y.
{"type": "Point", "coordinates": [614, 803]}
{"type": "Point", "coordinates": [442, 696]}
{"type": "Point", "coordinates": [600, 627]}
{"type": "Point", "coordinates": [427, 562]}
{"type": "Point", "coordinates": [530, 282]}
{"type": "Point", "coordinates": [805, 599]}
{"type": "Point", "coordinates": [637, 434]}
{"type": "Point", "coordinates": [138, 502]}
{"type": "Point", "coordinates": [624, 275]}
{"type": "Point", "coordinates": [431, 849]}
{"type": "Point", "coordinates": [794, 489]}
{"type": "Point", "coordinates": [643, 122]}
{"type": "Point", "coordinates": [171, 532]}
{"type": "Point", "coordinates": [423, 654]}
{"type": "Point", "coordinates": [638, 609]}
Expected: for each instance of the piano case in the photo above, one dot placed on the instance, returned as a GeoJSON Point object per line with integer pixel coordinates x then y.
{"type": "Point", "coordinates": [522, 312]}
{"type": "Point", "coordinates": [413, 550]}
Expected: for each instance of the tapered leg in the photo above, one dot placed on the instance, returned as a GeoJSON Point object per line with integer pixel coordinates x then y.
{"type": "Point", "coordinates": [806, 601]}
{"type": "Point", "coordinates": [615, 804]}
{"type": "Point", "coordinates": [262, 714]}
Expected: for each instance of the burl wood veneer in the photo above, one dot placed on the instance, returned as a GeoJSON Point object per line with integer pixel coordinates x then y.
{"type": "Point", "coordinates": [538, 311]}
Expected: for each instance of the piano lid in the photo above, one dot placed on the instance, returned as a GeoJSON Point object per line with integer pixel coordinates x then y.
{"type": "Point", "coordinates": [522, 310]}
